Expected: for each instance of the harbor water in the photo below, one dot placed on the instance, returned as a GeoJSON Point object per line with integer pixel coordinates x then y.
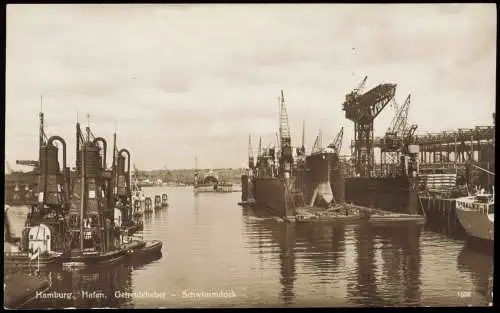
{"type": "Point", "coordinates": [218, 254]}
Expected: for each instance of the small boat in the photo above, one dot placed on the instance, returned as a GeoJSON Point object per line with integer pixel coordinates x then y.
{"type": "Point", "coordinates": [133, 245]}
{"type": "Point", "coordinates": [94, 258]}
{"type": "Point", "coordinates": [150, 248]}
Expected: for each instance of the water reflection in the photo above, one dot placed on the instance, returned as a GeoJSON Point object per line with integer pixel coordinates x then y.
{"type": "Point", "coordinates": [270, 235]}
{"type": "Point", "coordinates": [479, 266]}
{"type": "Point", "coordinates": [285, 235]}
{"type": "Point", "coordinates": [148, 217]}
{"type": "Point", "coordinates": [88, 288]}
{"type": "Point", "coordinates": [323, 245]}
{"type": "Point", "coordinates": [397, 282]}
{"type": "Point", "coordinates": [212, 244]}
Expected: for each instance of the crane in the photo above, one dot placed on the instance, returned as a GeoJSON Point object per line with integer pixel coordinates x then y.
{"type": "Point", "coordinates": [398, 125]}
{"type": "Point", "coordinates": [393, 138]}
{"type": "Point", "coordinates": [284, 128]}
{"type": "Point", "coordinates": [362, 109]}
{"type": "Point", "coordinates": [361, 86]}
{"type": "Point", "coordinates": [285, 142]}
{"type": "Point", "coordinates": [337, 141]}
{"type": "Point", "coordinates": [317, 146]}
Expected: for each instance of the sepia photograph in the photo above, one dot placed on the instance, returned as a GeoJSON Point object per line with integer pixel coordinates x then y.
{"type": "Point", "coordinates": [249, 155]}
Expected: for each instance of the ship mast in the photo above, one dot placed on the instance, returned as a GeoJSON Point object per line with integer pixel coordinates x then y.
{"type": "Point", "coordinates": [42, 127]}
{"type": "Point", "coordinates": [303, 134]}
{"type": "Point", "coordinates": [82, 199]}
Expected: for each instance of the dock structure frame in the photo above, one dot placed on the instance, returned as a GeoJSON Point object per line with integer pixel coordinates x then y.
{"type": "Point", "coordinates": [448, 151]}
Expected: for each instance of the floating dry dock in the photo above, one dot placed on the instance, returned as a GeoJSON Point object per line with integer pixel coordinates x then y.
{"type": "Point", "coordinates": [20, 289]}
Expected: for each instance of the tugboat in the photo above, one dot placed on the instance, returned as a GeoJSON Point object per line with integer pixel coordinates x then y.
{"type": "Point", "coordinates": [94, 238]}
{"type": "Point", "coordinates": [43, 240]}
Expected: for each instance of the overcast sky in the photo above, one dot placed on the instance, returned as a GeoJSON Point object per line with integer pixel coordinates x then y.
{"type": "Point", "coordinates": [194, 80]}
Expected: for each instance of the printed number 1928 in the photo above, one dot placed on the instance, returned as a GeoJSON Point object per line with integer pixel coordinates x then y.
{"type": "Point", "coordinates": [464, 294]}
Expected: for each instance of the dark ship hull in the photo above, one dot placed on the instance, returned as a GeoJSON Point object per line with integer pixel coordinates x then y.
{"type": "Point", "coordinates": [322, 181]}
{"type": "Point", "coordinates": [95, 258]}
{"type": "Point", "coordinates": [396, 194]}
{"type": "Point", "coordinates": [317, 188]}
{"type": "Point", "coordinates": [274, 195]}
{"type": "Point", "coordinates": [247, 194]}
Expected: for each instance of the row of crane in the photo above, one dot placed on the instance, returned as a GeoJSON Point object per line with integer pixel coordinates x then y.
{"type": "Point", "coordinates": [284, 145]}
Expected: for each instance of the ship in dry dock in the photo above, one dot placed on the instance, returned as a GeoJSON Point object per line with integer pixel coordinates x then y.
{"type": "Point", "coordinates": [269, 181]}
{"type": "Point", "coordinates": [320, 179]}
{"type": "Point", "coordinates": [325, 179]}
{"type": "Point", "coordinates": [280, 184]}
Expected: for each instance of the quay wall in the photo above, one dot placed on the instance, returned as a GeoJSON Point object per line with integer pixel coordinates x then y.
{"type": "Point", "coordinates": [441, 214]}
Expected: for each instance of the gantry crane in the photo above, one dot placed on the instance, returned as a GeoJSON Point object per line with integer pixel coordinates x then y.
{"type": "Point", "coordinates": [362, 109]}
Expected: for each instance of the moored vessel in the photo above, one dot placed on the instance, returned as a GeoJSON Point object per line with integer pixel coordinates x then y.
{"type": "Point", "coordinates": [210, 182]}
{"type": "Point", "coordinates": [476, 214]}
{"type": "Point", "coordinates": [270, 183]}
{"type": "Point", "coordinates": [95, 221]}
{"type": "Point", "coordinates": [43, 240]}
